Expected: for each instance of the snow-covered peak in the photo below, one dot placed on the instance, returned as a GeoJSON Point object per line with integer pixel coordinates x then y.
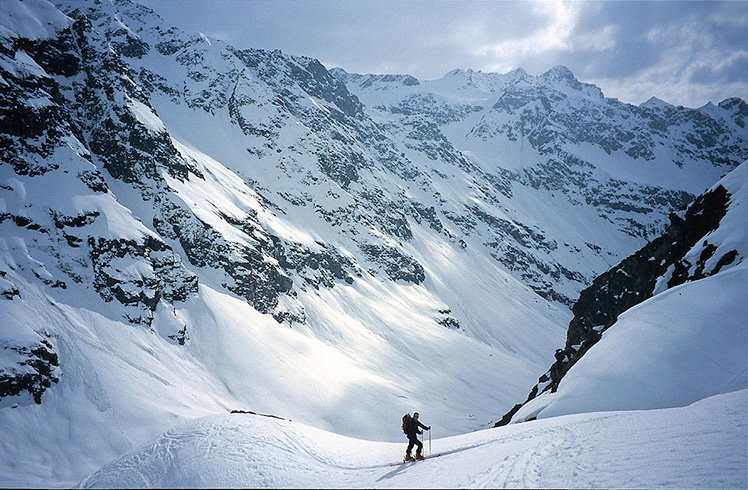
{"type": "Point", "coordinates": [732, 103]}
{"type": "Point", "coordinates": [654, 103]}
{"type": "Point", "coordinates": [31, 19]}
{"type": "Point", "coordinates": [127, 14]}
{"type": "Point", "coordinates": [517, 75]}
{"type": "Point", "coordinates": [492, 82]}
{"type": "Point", "coordinates": [470, 81]}
{"type": "Point", "coordinates": [558, 72]}
{"type": "Point", "coordinates": [339, 73]}
{"type": "Point", "coordinates": [561, 78]}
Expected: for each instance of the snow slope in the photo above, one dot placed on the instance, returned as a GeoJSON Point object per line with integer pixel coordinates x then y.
{"type": "Point", "coordinates": [679, 346]}
{"type": "Point", "coordinates": [661, 353]}
{"type": "Point", "coordinates": [123, 385]}
{"type": "Point", "coordinates": [699, 446]}
{"type": "Point", "coordinates": [33, 19]}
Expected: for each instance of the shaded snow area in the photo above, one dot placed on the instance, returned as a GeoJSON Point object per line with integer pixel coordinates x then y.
{"type": "Point", "coordinates": [702, 445]}
{"type": "Point", "coordinates": [31, 19]}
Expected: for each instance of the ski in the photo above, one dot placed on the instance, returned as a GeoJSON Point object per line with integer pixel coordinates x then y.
{"type": "Point", "coordinates": [406, 461]}
{"type": "Point", "coordinates": [429, 457]}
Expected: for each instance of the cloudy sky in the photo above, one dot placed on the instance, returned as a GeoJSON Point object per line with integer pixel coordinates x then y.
{"type": "Point", "coordinates": [686, 53]}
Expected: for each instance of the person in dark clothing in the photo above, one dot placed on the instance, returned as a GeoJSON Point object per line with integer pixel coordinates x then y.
{"type": "Point", "coordinates": [412, 432]}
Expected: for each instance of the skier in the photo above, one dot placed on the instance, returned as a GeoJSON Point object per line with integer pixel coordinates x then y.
{"type": "Point", "coordinates": [410, 427]}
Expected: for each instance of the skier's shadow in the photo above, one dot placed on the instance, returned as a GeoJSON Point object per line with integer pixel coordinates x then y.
{"type": "Point", "coordinates": [393, 472]}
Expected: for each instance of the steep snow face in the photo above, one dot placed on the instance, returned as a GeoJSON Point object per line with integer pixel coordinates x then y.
{"type": "Point", "coordinates": [656, 356]}
{"type": "Point", "coordinates": [32, 19]}
{"type": "Point", "coordinates": [688, 341]}
{"type": "Point", "coordinates": [700, 445]}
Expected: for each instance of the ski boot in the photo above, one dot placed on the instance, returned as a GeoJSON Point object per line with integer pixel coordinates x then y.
{"type": "Point", "coordinates": [419, 457]}
{"type": "Point", "coordinates": [407, 458]}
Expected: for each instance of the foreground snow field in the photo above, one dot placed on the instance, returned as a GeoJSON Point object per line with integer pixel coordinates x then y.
{"type": "Point", "coordinates": [702, 445]}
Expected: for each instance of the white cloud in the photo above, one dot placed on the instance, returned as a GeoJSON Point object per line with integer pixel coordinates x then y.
{"type": "Point", "coordinates": [554, 36]}
{"type": "Point", "coordinates": [659, 82]}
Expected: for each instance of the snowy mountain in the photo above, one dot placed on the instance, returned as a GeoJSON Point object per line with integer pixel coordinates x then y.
{"type": "Point", "coordinates": [550, 145]}
{"type": "Point", "coordinates": [188, 228]}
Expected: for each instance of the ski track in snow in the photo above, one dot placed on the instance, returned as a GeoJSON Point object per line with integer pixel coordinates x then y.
{"type": "Point", "coordinates": [702, 445]}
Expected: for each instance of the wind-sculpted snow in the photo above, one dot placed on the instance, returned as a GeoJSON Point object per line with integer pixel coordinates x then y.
{"type": "Point", "coordinates": [700, 445]}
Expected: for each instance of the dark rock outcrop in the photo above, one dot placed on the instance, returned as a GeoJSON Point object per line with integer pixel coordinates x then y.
{"type": "Point", "coordinates": [36, 367]}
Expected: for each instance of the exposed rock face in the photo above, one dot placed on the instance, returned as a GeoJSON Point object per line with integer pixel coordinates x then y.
{"type": "Point", "coordinates": [139, 290]}
{"type": "Point", "coordinates": [396, 265]}
{"type": "Point", "coordinates": [34, 368]}
{"type": "Point", "coordinates": [634, 279]}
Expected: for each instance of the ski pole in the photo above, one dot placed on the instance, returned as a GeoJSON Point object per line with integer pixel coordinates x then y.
{"type": "Point", "coordinates": [429, 442]}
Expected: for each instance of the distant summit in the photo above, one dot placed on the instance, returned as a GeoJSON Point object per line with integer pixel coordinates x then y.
{"type": "Point", "coordinates": [654, 103]}
{"type": "Point", "coordinates": [559, 72]}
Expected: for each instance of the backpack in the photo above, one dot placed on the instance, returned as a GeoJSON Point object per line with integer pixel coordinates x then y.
{"type": "Point", "coordinates": [406, 422]}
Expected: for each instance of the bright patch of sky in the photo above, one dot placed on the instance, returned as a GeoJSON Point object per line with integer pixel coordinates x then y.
{"type": "Point", "coordinates": [685, 53]}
